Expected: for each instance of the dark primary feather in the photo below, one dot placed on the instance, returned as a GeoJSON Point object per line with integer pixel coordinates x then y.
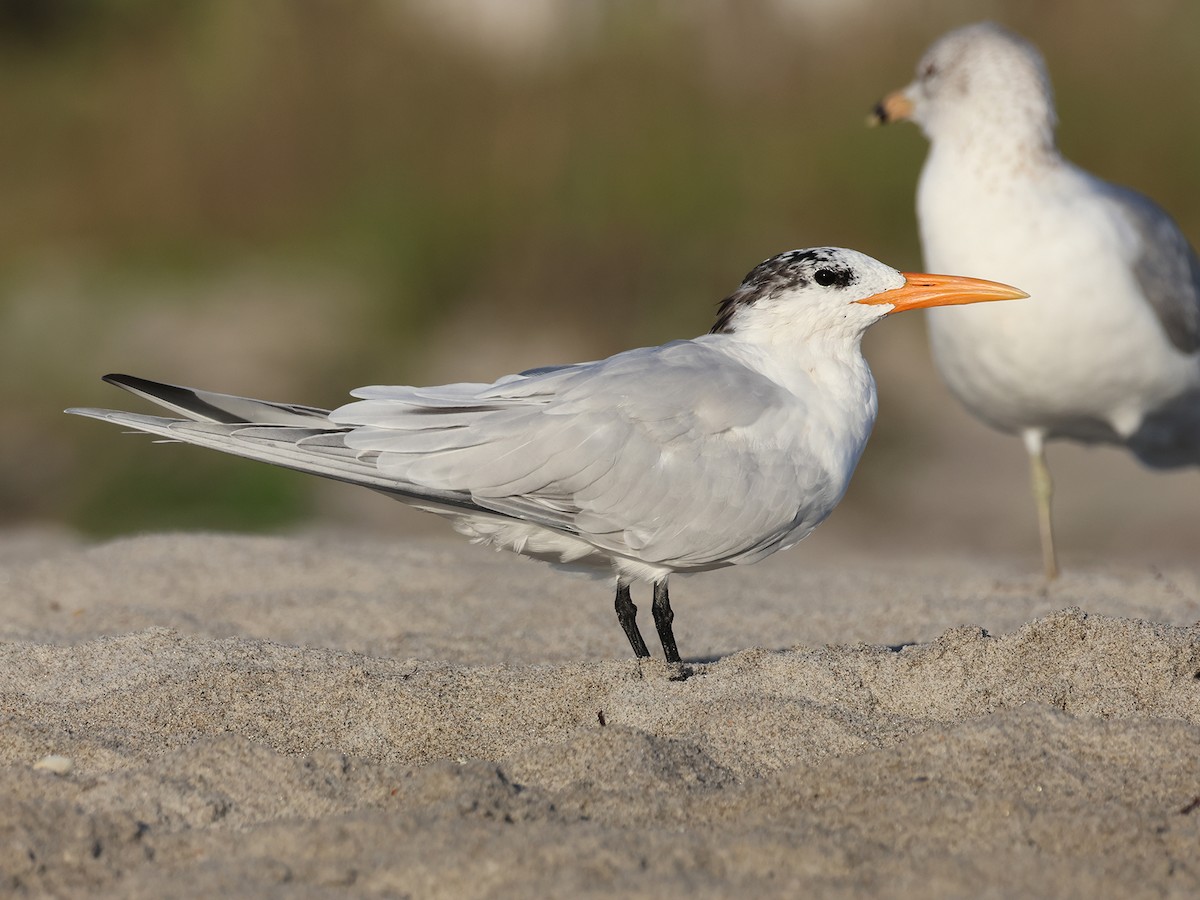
{"type": "Point", "coordinates": [209, 406]}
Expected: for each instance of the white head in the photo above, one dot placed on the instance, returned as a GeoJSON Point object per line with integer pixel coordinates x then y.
{"type": "Point", "coordinates": [837, 293]}
{"type": "Point", "coordinates": [980, 83]}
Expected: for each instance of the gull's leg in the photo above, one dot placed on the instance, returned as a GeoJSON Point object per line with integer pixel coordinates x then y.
{"type": "Point", "coordinates": [663, 617]}
{"type": "Point", "coordinates": [627, 616]}
{"type": "Point", "coordinates": [1043, 492]}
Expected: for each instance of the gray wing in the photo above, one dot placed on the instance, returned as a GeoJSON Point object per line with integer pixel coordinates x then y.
{"type": "Point", "coordinates": [645, 454]}
{"type": "Point", "coordinates": [1165, 266]}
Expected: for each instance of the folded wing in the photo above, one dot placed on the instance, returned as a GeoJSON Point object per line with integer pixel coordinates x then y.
{"type": "Point", "coordinates": [646, 454]}
{"type": "Point", "coordinates": [675, 454]}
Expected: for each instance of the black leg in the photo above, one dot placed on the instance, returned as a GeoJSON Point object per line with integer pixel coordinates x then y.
{"type": "Point", "coordinates": [663, 617]}
{"type": "Point", "coordinates": [627, 616]}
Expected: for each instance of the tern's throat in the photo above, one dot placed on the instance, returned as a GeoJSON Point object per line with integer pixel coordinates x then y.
{"type": "Point", "coordinates": [826, 373]}
{"type": "Point", "coordinates": [820, 396]}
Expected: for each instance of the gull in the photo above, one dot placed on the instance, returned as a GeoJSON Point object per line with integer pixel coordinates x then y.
{"type": "Point", "coordinates": [687, 457]}
{"type": "Point", "coordinates": [1109, 352]}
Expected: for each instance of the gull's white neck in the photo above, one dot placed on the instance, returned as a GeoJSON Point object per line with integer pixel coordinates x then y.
{"type": "Point", "coordinates": [1006, 126]}
{"type": "Point", "coordinates": [974, 182]}
{"type": "Point", "coordinates": [993, 150]}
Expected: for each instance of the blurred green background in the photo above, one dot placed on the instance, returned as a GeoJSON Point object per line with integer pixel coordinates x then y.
{"type": "Point", "coordinates": [290, 198]}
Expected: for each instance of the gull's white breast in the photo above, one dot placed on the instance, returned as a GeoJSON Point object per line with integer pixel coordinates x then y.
{"type": "Point", "coordinates": [1086, 353]}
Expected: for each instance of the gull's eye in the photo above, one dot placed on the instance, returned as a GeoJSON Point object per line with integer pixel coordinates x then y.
{"type": "Point", "coordinates": [825, 277]}
{"type": "Point", "coordinates": [929, 70]}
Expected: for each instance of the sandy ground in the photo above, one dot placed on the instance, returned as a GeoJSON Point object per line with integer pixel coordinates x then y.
{"type": "Point", "coordinates": [325, 714]}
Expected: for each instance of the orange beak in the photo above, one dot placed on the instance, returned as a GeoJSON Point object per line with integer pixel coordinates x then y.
{"type": "Point", "coordinates": [921, 290]}
{"type": "Point", "coordinates": [895, 107]}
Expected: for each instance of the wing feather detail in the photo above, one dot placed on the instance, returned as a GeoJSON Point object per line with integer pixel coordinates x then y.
{"type": "Point", "coordinates": [644, 454]}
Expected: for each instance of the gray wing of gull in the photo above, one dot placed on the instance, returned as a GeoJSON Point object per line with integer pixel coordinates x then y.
{"type": "Point", "coordinates": [1165, 266]}
{"type": "Point", "coordinates": [645, 454]}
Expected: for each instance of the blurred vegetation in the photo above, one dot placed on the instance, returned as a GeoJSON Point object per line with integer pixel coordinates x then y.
{"type": "Point", "coordinates": [288, 198]}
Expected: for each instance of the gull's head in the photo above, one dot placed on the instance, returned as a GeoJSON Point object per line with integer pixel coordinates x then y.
{"type": "Point", "coordinates": [980, 83]}
{"type": "Point", "coordinates": [831, 291]}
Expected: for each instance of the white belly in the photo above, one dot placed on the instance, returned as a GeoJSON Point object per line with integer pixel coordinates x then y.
{"type": "Point", "coordinates": [1086, 353]}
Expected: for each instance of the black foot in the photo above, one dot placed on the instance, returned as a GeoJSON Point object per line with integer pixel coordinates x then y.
{"type": "Point", "coordinates": [663, 617]}
{"type": "Point", "coordinates": [627, 616]}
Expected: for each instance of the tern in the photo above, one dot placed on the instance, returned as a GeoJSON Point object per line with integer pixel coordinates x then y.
{"type": "Point", "coordinates": [687, 457]}
{"type": "Point", "coordinates": [1109, 352]}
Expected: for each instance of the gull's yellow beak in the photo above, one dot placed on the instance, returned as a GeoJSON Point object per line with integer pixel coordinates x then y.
{"type": "Point", "coordinates": [895, 107]}
{"type": "Point", "coordinates": [921, 290]}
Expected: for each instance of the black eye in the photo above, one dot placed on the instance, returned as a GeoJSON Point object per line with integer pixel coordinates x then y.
{"type": "Point", "coordinates": [825, 277]}
{"type": "Point", "coordinates": [929, 71]}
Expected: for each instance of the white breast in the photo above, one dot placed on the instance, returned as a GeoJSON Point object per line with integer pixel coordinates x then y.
{"type": "Point", "coordinates": [1086, 352]}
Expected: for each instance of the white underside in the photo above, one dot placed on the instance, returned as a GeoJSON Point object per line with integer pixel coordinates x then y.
{"type": "Point", "coordinates": [559, 550]}
{"type": "Point", "coordinates": [574, 554]}
{"type": "Point", "coordinates": [1085, 357]}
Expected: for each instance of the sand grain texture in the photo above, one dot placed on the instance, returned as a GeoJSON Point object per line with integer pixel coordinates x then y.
{"type": "Point", "coordinates": [321, 714]}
